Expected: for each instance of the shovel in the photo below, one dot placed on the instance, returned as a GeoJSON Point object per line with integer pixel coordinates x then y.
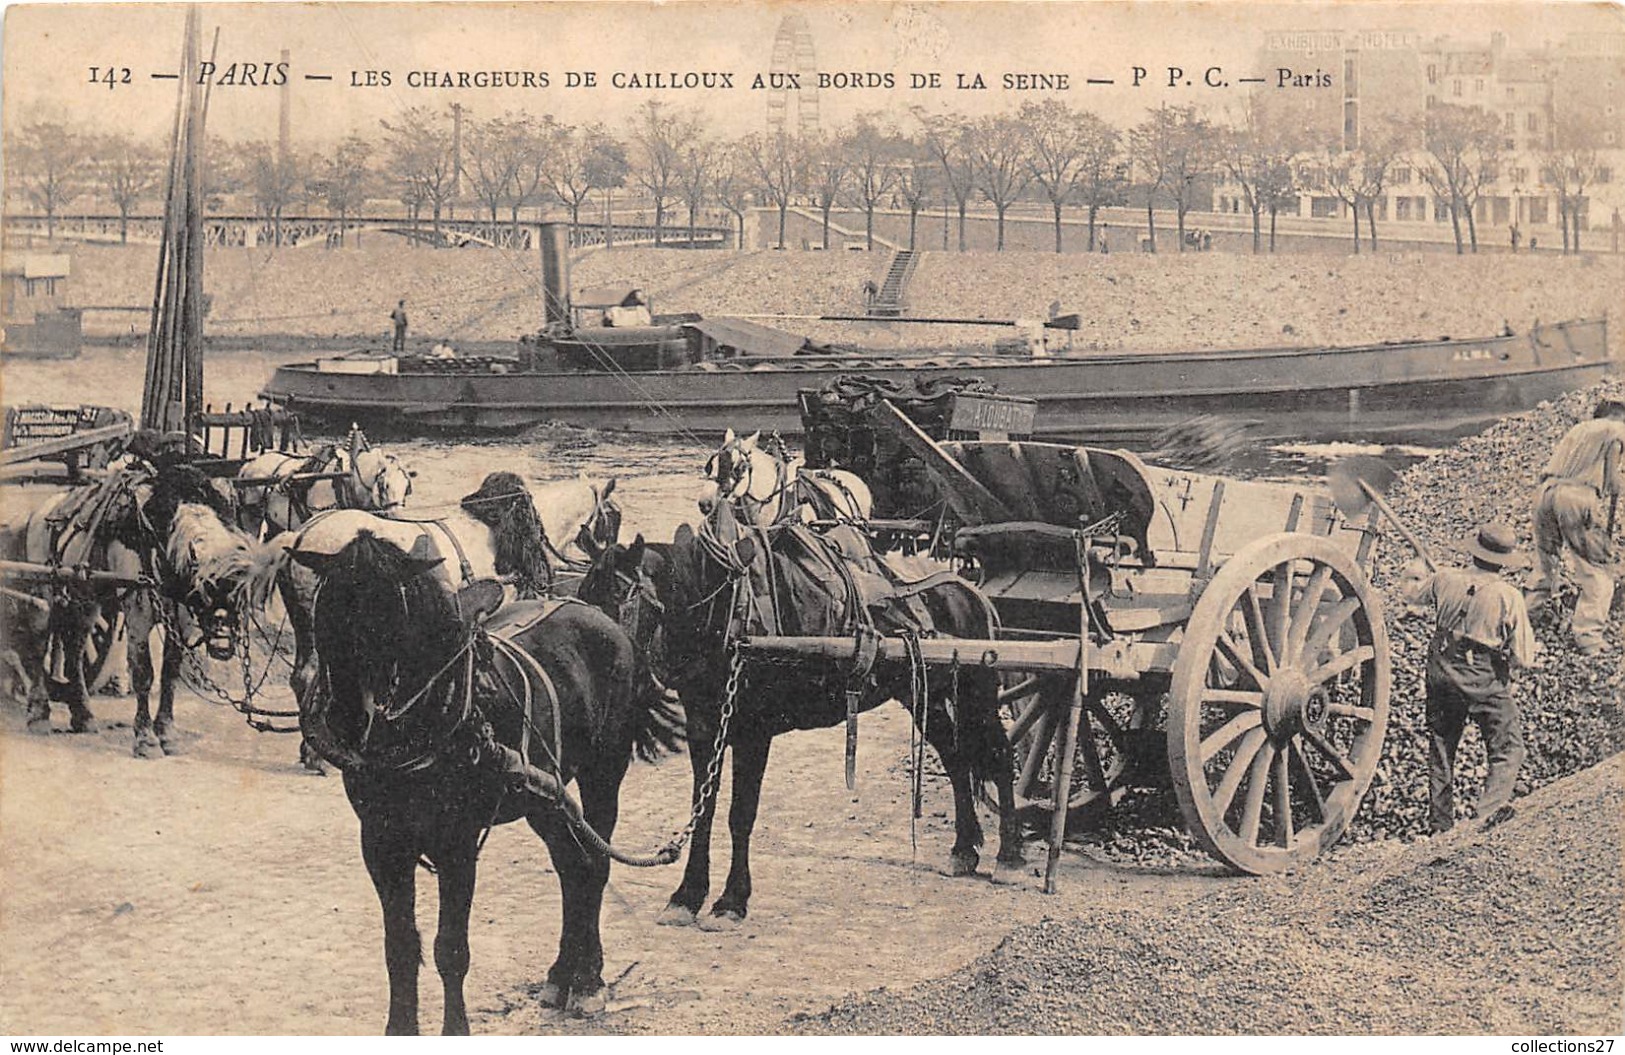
{"type": "Point", "coordinates": [1357, 483]}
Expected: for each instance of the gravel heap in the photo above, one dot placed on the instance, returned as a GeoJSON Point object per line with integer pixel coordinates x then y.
{"type": "Point", "coordinates": [1512, 931]}
{"type": "Point", "coordinates": [1572, 704]}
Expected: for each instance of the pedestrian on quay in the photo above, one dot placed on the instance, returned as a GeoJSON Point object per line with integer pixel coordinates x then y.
{"type": "Point", "coordinates": [1517, 236]}
{"type": "Point", "coordinates": [1586, 466]}
{"type": "Point", "coordinates": [1481, 631]}
{"type": "Point", "coordinates": [398, 317]}
{"type": "Point", "coordinates": [1105, 247]}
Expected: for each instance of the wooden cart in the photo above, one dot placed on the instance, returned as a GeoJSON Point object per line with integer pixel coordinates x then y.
{"type": "Point", "coordinates": [1160, 624]}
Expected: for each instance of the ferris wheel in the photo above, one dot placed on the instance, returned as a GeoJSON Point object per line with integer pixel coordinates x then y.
{"type": "Point", "coordinates": [793, 54]}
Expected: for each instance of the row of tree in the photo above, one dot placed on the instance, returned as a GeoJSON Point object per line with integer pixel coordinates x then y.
{"type": "Point", "coordinates": [1048, 151]}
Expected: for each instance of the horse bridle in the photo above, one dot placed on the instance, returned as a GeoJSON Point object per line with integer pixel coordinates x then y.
{"type": "Point", "coordinates": [743, 471]}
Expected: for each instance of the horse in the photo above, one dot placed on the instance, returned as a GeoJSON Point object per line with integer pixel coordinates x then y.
{"type": "Point", "coordinates": [272, 498]}
{"type": "Point", "coordinates": [169, 530]}
{"type": "Point", "coordinates": [435, 716]}
{"type": "Point", "coordinates": [730, 579]}
{"type": "Point", "coordinates": [766, 486]}
{"type": "Point", "coordinates": [498, 533]}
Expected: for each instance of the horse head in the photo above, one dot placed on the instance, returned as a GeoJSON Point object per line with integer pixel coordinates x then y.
{"type": "Point", "coordinates": [602, 528]}
{"type": "Point", "coordinates": [387, 631]}
{"type": "Point", "coordinates": [206, 563]}
{"type": "Point", "coordinates": [377, 480]}
{"type": "Point", "coordinates": [743, 474]}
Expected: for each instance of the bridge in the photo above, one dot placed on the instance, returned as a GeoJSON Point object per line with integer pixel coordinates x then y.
{"type": "Point", "coordinates": [305, 232]}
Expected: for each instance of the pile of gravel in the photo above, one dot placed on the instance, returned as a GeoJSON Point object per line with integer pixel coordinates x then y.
{"type": "Point", "coordinates": [1571, 704]}
{"type": "Point", "coordinates": [1512, 931]}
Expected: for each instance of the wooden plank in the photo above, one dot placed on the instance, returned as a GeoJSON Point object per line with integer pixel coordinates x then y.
{"type": "Point", "coordinates": [972, 502]}
{"type": "Point", "coordinates": [49, 448]}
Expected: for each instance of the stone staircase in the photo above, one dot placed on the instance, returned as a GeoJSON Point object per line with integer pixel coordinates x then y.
{"type": "Point", "coordinates": [888, 303]}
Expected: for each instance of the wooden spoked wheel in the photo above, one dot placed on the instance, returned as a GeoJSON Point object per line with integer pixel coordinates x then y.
{"type": "Point", "coordinates": [1108, 738]}
{"type": "Point", "coordinates": [1279, 703]}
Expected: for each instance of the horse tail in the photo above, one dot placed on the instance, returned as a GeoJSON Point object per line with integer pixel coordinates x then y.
{"type": "Point", "coordinates": [659, 725]}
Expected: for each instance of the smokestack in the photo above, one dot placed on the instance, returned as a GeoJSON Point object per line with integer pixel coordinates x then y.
{"type": "Point", "coordinates": [555, 241]}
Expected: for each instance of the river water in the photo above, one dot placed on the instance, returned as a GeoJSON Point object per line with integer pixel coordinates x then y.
{"type": "Point", "coordinates": [657, 478]}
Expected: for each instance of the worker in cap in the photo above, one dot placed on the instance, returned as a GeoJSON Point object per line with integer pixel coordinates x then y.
{"type": "Point", "coordinates": [1587, 466]}
{"type": "Point", "coordinates": [1481, 632]}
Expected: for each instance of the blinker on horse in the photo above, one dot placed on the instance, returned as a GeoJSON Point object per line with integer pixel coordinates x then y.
{"type": "Point", "coordinates": [445, 725]}
{"type": "Point", "coordinates": [729, 579]}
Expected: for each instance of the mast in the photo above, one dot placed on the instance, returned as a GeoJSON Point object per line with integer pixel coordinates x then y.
{"type": "Point", "coordinates": [173, 391]}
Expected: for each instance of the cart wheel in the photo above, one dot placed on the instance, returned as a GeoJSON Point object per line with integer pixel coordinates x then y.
{"type": "Point", "coordinates": [1281, 687]}
{"type": "Point", "coordinates": [1109, 744]}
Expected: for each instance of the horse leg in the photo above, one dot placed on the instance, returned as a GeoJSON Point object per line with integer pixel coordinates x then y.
{"type": "Point", "coordinates": [169, 674]}
{"type": "Point", "coordinates": [689, 897]}
{"type": "Point", "coordinates": [939, 733]}
{"type": "Point", "coordinates": [750, 764]}
{"type": "Point", "coordinates": [140, 659]}
{"type": "Point", "coordinates": [456, 867]}
{"type": "Point", "coordinates": [298, 609]}
{"type": "Point", "coordinates": [390, 861]}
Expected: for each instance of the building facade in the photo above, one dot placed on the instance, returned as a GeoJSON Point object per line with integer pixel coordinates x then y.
{"type": "Point", "coordinates": [1541, 98]}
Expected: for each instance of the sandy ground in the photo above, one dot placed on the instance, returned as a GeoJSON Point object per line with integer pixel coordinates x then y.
{"type": "Point", "coordinates": [227, 868]}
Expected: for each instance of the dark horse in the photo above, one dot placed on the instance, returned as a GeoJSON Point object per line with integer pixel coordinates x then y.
{"type": "Point", "coordinates": [693, 580]}
{"type": "Point", "coordinates": [446, 724]}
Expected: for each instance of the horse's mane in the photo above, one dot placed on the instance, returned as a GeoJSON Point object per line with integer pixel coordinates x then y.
{"type": "Point", "coordinates": [175, 484]}
{"type": "Point", "coordinates": [503, 504]}
{"type": "Point", "coordinates": [205, 550]}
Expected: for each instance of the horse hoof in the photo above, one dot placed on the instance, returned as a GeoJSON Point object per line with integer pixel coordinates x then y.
{"type": "Point", "coordinates": [722, 922]}
{"type": "Point", "coordinates": [40, 725]}
{"type": "Point", "coordinates": [551, 995]}
{"type": "Point", "coordinates": [676, 916]}
{"type": "Point", "coordinates": [147, 747]}
{"type": "Point", "coordinates": [962, 864]}
{"type": "Point", "coordinates": [586, 1005]}
{"type": "Point", "coordinates": [86, 724]}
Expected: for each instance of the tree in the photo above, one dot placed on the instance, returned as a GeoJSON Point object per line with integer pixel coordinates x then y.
{"type": "Point", "coordinates": [1258, 158]}
{"type": "Point", "coordinates": [696, 170]}
{"type": "Point", "coordinates": [48, 161]}
{"type": "Point", "coordinates": [607, 167]}
{"type": "Point", "coordinates": [342, 180]}
{"type": "Point", "coordinates": [1100, 175]}
{"type": "Point", "coordinates": [998, 147]}
{"type": "Point", "coordinates": [1568, 165]}
{"type": "Point", "coordinates": [1463, 145]}
{"type": "Point", "coordinates": [536, 140]}
{"type": "Point", "coordinates": [918, 176]}
{"type": "Point", "coordinates": [874, 150]}
{"type": "Point", "coordinates": [276, 180]}
{"type": "Point", "coordinates": [947, 140]}
{"type": "Point", "coordinates": [1054, 151]}
{"type": "Point", "coordinates": [658, 136]}
{"type": "Point", "coordinates": [128, 172]}
{"type": "Point", "coordinates": [492, 150]}
{"type": "Point", "coordinates": [1150, 145]}
{"type": "Point", "coordinates": [419, 147]}
{"type": "Point", "coordinates": [570, 169]}
{"type": "Point", "coordinates": [732, 184]}
{"type": "Point", "coordinates": [826, 168]}
{"type": "Point", "coordinates": [778, 163]}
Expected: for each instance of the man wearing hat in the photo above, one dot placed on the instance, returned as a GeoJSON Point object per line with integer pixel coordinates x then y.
{"type": "Point", "coordinates": [1481, 631]}
{"type": "Point", "coordinates": [1587, 465]}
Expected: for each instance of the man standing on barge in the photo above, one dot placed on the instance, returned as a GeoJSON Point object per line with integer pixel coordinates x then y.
{"type": "Point", "coordinates": [398, 317]}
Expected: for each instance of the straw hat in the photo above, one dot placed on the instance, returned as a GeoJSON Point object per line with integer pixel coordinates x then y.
{"type": "Point", "coordinates": [1497, 545]}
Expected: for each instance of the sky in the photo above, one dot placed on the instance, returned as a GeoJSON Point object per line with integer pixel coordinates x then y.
{"type": "Point", "coordinates": [49, 50]}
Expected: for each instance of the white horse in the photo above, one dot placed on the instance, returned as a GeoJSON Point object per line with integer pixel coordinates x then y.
{"type": "Point", "coordinates": [767, 486]}
{"type": "Point", "coordinates": [374, 480]}
{"type": "Point", "coordinates": [502, 532]}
